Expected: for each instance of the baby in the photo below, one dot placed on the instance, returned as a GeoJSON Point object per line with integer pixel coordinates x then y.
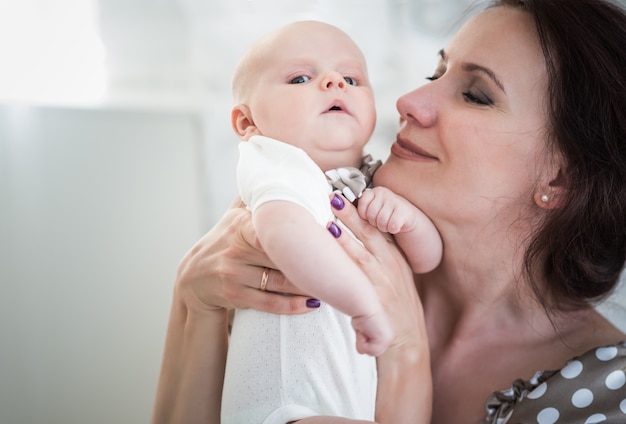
{"type": "Point", "coordinates": [304, 106]}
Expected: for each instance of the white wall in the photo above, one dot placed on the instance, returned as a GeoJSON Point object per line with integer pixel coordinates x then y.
{"type": "Point", "coordinates": [96, 210]}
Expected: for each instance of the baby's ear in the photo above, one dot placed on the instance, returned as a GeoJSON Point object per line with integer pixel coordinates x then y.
{"type": "Point", "coordinates": [242, 122]}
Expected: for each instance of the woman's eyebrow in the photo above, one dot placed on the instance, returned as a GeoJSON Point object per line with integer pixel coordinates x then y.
{"type": "Point", "coordinates": [473, 67]}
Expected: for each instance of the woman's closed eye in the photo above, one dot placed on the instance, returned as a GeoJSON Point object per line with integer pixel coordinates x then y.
{"type": "Point", "coordinates": [477, 97]}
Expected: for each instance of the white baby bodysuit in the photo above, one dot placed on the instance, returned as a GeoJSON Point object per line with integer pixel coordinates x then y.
{"type": "Point", "coordinates": [282, 368]}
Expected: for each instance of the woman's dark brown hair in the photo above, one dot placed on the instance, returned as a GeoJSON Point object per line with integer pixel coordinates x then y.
{"type": "Point", "coordinates": [581, 247]}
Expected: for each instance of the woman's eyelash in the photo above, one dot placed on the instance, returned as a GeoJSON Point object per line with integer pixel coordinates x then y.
{"type": "Point", "coordinates": [480, 99]}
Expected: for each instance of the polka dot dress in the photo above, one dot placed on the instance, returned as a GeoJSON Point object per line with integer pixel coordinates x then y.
{"type": "Point", "coordinates": [590, 389]}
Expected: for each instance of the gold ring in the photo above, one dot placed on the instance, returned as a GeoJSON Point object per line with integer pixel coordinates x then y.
{"type": "Point", "coordinates": [264, 277]}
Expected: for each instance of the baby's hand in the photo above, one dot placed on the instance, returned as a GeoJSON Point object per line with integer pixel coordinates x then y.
{"type": "Point", "coordinates": [386, 210]}
{"type": "Point", "coordinates": [374, 333]}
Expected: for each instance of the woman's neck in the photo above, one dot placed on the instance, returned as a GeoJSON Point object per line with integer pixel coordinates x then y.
{"type": "Point", "coordinates": [471, 306]}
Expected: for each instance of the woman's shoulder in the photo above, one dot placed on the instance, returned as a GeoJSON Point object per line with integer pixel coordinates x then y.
{"type": "Point", "coordinates": [590, 388]}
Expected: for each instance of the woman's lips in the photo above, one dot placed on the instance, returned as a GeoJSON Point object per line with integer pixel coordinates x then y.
{"type": "Point", "coordinates": [404, 149]}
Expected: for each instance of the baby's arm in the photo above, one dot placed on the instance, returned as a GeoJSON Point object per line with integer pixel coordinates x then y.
{"type": "Point", "coordinates": [311, 259]}
{"type": "Point", "coordinates": [414, 231]}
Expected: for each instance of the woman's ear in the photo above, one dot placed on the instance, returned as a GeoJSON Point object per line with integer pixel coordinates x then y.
{"type": "Point", "coordinates": [551, 193]}
{"type": "Point", "coordinates": [242, 122]}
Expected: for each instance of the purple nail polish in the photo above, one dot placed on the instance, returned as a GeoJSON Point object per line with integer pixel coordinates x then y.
{"type": "Point", "coordinates": [334, 229]}
{"type": "Point", "coordinates": [337, 202]}
{"type": "Point", "coordinates": [313, 303]}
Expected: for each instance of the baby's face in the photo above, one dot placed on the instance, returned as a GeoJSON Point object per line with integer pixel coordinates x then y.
{"type": "Point", "coordinates": [312, 90]}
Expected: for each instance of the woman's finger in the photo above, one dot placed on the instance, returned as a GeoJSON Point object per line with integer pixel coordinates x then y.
{"type": "Point", "coordinates": [373, 240]}
{"type": "Point", "coordinates": [225, 270]}
{"type": "Point", "coordinates": [268, 290]}
{"type": "Point", "coordinates": [383, 262]}
{"type": "Point", "coordinates": [278, 303]}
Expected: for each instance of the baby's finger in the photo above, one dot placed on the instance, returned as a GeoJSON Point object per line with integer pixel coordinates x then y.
{"type": "Point", "coordinates": [369, 207]}
{"type": "Point", "coordinates": [364, 203]}
{"type": "Point", "coordinates": [365, 232]}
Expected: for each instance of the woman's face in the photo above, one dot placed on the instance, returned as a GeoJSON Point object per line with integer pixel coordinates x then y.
{"type": "Point", "coordinates": [471, 142]}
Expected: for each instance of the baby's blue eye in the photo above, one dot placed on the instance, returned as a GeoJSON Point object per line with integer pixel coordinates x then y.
{"type": "Point", "coordinates": [350, 80]}
{"type": "Point", "coordinates": [301, 79]}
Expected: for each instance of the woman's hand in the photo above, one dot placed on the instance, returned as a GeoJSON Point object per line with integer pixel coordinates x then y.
{"type": "Point", "coordinates": [382, 260]}
{"type": "Point", "coordinates": [404, 377]}
{"type": "Point", "coordinates": [226, 267]}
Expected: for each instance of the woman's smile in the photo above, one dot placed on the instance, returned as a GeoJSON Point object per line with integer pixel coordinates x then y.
{"type": "Point", "coordinates": [406, 150]}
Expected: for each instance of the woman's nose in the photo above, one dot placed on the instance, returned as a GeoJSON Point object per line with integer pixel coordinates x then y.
{"type": "Point", "coordinates": [419, 107]}
{"type": "Point", "coordinates": [333, 80]}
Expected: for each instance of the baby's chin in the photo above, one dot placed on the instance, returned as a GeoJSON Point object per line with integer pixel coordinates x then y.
{"type": "Point", "coordinates": [339, 159]}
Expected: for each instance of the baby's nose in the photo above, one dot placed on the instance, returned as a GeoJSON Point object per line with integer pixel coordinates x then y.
{"type": "Point", "coordinates": [333, 80]}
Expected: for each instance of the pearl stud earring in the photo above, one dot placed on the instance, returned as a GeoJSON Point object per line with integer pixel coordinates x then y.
{"type": "Point", "coordinates": [545, 198]}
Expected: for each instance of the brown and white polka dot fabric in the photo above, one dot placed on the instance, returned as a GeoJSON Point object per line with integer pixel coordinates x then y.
{"type": "Point", "coordinates": [589, 389]}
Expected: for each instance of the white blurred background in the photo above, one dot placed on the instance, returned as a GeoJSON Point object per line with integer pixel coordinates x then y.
{"type": "Point", "coordinates": [116, 155]}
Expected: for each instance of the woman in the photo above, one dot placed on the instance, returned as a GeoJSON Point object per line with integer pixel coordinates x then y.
{"type": "Point", "coordinates": [517, 152]}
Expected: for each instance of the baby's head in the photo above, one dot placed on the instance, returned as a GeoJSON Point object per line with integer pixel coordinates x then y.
{"type": "Point", "coordinates": [306, 84]}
